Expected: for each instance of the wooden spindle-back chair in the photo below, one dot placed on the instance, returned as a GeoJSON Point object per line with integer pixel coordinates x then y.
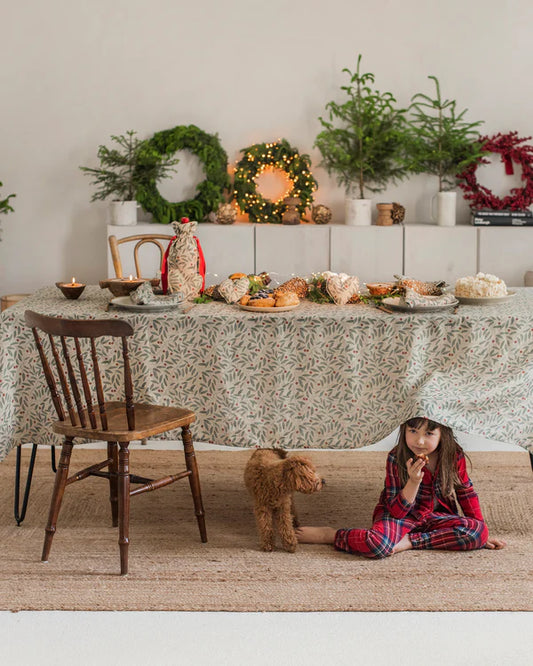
{"type": "Point", "coordinates": [139, 240]}
{"type": "Point", "coordinates": [66, 352]}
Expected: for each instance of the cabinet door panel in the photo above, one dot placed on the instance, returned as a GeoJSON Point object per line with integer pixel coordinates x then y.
{"type": "Point", "coordinates": [440, 253]}
{"type": "Point", "coordinates": [286, 251]}
{"type": "Point", "coordinates": [507, 253]}
{"type": "Point", "coordinates": [374, 254]}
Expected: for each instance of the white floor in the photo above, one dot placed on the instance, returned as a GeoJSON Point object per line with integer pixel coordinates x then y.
{"type": "Point", "coordinates": [220, 639]}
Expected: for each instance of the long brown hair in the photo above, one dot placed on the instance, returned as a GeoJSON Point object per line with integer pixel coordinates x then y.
{"type": "Point", "coordinates": [447, 451]}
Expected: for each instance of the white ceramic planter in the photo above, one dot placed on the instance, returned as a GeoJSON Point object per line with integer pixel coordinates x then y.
{"type": "Point", "coordinates": [358, 212]}
{"type": "Point", "coordinates": [123, 213]}
{"type": "Point", "coordinates": [446, 203]}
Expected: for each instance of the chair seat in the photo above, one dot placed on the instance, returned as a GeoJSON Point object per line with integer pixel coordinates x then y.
{"type": "Point", "coordinates": [150, 420]}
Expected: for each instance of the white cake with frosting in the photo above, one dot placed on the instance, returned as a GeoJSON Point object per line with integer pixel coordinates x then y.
{"type": "Point", "coordinates": [481, 285]}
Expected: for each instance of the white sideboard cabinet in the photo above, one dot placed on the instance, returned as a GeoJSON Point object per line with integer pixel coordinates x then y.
{"type": "Point", "coordinates": [374, 254]}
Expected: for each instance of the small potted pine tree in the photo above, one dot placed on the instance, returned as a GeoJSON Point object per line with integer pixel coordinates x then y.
{"type": "Point", "coordinates": [5, 206]}
{"type": "Point", "coordinates": [125, 169]}
{"type": "Point", "coordinates": [442, 143]}
{"type": "Point", "coordinates": [362, 143]}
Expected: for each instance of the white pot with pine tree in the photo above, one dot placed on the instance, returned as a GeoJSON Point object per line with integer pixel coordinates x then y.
{"type": "Point", "coordinates": [362, 143]}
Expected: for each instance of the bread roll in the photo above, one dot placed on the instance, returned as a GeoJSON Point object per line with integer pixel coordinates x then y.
{"type": "Point", "coordinates": [287, 298]}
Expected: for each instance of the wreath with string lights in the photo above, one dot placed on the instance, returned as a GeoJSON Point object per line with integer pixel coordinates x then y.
{"type": "Point", "coordinates": [512, 150]}
{"type": "Point", "coordinates": [255, 161]}
{"type": "Point", "coordinates": [210, 192]}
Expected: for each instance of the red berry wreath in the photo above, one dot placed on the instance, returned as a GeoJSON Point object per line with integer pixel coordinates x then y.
{"type": "Point", "coordinates": [508, 146]}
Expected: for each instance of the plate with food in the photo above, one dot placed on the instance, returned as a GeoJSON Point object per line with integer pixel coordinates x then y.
{"type": "Point", "coordinates": [482, 289]}
{"type": "Point", "coordinates": [268, 308]}
{"type": "Point", "coordinates": [269, 300]}
{"type": "Point", "coordinates": [485, 300]}
{"type": "Point", "coordinates": [160, 305]}
{"type": "Point", "coordinates": [400, 305]}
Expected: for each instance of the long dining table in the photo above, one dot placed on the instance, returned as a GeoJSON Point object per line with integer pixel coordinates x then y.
{"type": "Point", "coordinates": [319, 376]}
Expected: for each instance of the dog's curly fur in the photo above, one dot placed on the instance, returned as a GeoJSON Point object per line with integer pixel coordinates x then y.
{"type": "Point", "coordinates": [272, 477]}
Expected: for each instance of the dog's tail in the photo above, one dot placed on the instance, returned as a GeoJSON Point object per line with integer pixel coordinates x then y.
{"type": "Point", "coordinates": [281, 453]}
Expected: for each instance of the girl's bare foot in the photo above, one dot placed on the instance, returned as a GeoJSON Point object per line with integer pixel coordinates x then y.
{"type": "Point", "coordinates": [403, 544]}
{"type": "Point", "coordinates": [315, 534]}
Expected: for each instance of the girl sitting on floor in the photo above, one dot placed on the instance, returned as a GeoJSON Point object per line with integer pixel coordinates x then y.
{"type": "Point", "coordinates": [416, 508]}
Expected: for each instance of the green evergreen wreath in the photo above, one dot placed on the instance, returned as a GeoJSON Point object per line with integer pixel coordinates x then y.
{"type": "Point", "coordinates": [278, 155]}
{"type": "Point", "coordinates": [209, 192]}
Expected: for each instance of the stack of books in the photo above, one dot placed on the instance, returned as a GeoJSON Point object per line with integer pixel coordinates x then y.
{"type": "Point", "coordinates": [502, 218]}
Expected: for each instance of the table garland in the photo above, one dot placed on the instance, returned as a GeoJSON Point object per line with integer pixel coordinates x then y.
{"type": "Point", "coordinates": [209, 192]}
{"type": "Point", "coordinates": [278, 155]}
{"type": "Point", "coordinates": [510, 148]}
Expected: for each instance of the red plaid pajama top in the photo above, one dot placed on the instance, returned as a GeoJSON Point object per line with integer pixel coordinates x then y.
{"type": "Point", "coordinates": [431, 521]}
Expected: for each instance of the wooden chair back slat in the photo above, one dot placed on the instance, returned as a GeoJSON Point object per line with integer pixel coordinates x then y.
{"type": "Point", "coordinates": [73, 382]}
{"type": "Point", "coordinates": [99, 389]}
{"type": "Point", "coordinates": [63, 381]}
{"type": "Point", "coordinates": [56, 399]}
{"type": "Point", "coordinates": [128, 386]}
{"type": "Point", "coordinates": [79, 403]}
{"type": "Point", "coordinates": [139, 240]}
{"type": "Point", "coordinates": [85, 384]}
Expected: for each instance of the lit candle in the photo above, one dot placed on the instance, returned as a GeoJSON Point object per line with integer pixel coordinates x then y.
{"type": "Point", "coordinates": [71, 289]}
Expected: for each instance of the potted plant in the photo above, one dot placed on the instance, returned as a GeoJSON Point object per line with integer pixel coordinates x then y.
{"type": "Point", "coordinates": [442, 143]}
{"type": "Point", "coordinates": [124, 170]}
{"type": "Point", "coordinates": [5, 207]}
{"type": "Point", "coordinates": [362, 143]}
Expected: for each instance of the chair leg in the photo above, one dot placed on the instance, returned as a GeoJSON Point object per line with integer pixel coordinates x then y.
{"type": "Point", "coordinates": [112, 452]}
{"type": "Point", "coordinates": [194, 480]}
{"type": "Point", "coordinates": [124, 505]}
{"type": "Point", "coordinates": [57, 496]}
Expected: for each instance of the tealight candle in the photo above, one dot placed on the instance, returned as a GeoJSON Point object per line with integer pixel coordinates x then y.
{"type": "Point", "coordinates": [72, 289]}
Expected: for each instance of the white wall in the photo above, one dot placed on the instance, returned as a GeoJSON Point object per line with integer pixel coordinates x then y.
{"type": "Point", "coordinates": [73, 73]}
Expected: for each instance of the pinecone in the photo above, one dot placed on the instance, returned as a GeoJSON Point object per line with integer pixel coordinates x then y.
{"type": "Point", "coordinates": [355, 299]}
{"type": "Point", "coordinates": [398, 213]}
{"type": "Point", "coordinates": [226, 214]}
{"type": "Point", "coordinates": [213, 293]}
{"type": "Point", "coordinates": [297, 285]}
{"type": "Point", "coordinates": [321, 214]}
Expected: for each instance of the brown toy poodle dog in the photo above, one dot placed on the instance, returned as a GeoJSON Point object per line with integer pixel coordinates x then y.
{"type": "Point", "coordinates": [271, 478]}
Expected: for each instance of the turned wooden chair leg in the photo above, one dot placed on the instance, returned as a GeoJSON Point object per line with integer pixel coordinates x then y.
{"type": "Point", "coordinates": [124, 505]}
{"type": "Point", "coordinates": [112, 452]}
{"type": "Point", "coordinates": [194, 480]}
{"type": "Point", "coordinates": [57, 496]}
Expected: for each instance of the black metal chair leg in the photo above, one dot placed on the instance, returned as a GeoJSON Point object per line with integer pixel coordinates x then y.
{"type": "Point", "coordinates": [531, 459]}
{"type": "Point", "coordinates": [19, 515]}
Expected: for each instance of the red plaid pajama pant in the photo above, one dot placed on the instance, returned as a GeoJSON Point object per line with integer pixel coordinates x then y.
{"type": "Point", "coordinates": [441, 531]}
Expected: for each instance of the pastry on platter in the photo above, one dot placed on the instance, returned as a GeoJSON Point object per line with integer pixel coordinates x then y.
{"type": "Point", "coordinates": [287, 298]}
{"type": "Point", "coordinates": [482, 285]}
{"type": "Point", "coordinates": [380, 288]}
{"type": "Point", "coordinates": [420, 287]}
{"type": "Point", "coordinates": [264, 302]}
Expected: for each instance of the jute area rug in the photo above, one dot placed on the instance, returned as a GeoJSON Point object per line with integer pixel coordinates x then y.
{"type": "Point", "coordinates": [170, 569]}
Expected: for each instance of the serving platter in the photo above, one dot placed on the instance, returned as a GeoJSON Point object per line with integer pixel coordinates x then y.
{"type": "Point", "coordinates": [282, 308]}
{"type": "Point", "coordinates": [486, 300]}
{"type": "Point", "coordinates": [125, 303]}
{"type": "Point", "coordinates": [399, 305]}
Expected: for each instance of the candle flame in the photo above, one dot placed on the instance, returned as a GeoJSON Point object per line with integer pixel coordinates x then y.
{"type": "Point", "coordinates": [73, 280]}
{"type": "Point", "coordinates": [131, 277]}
